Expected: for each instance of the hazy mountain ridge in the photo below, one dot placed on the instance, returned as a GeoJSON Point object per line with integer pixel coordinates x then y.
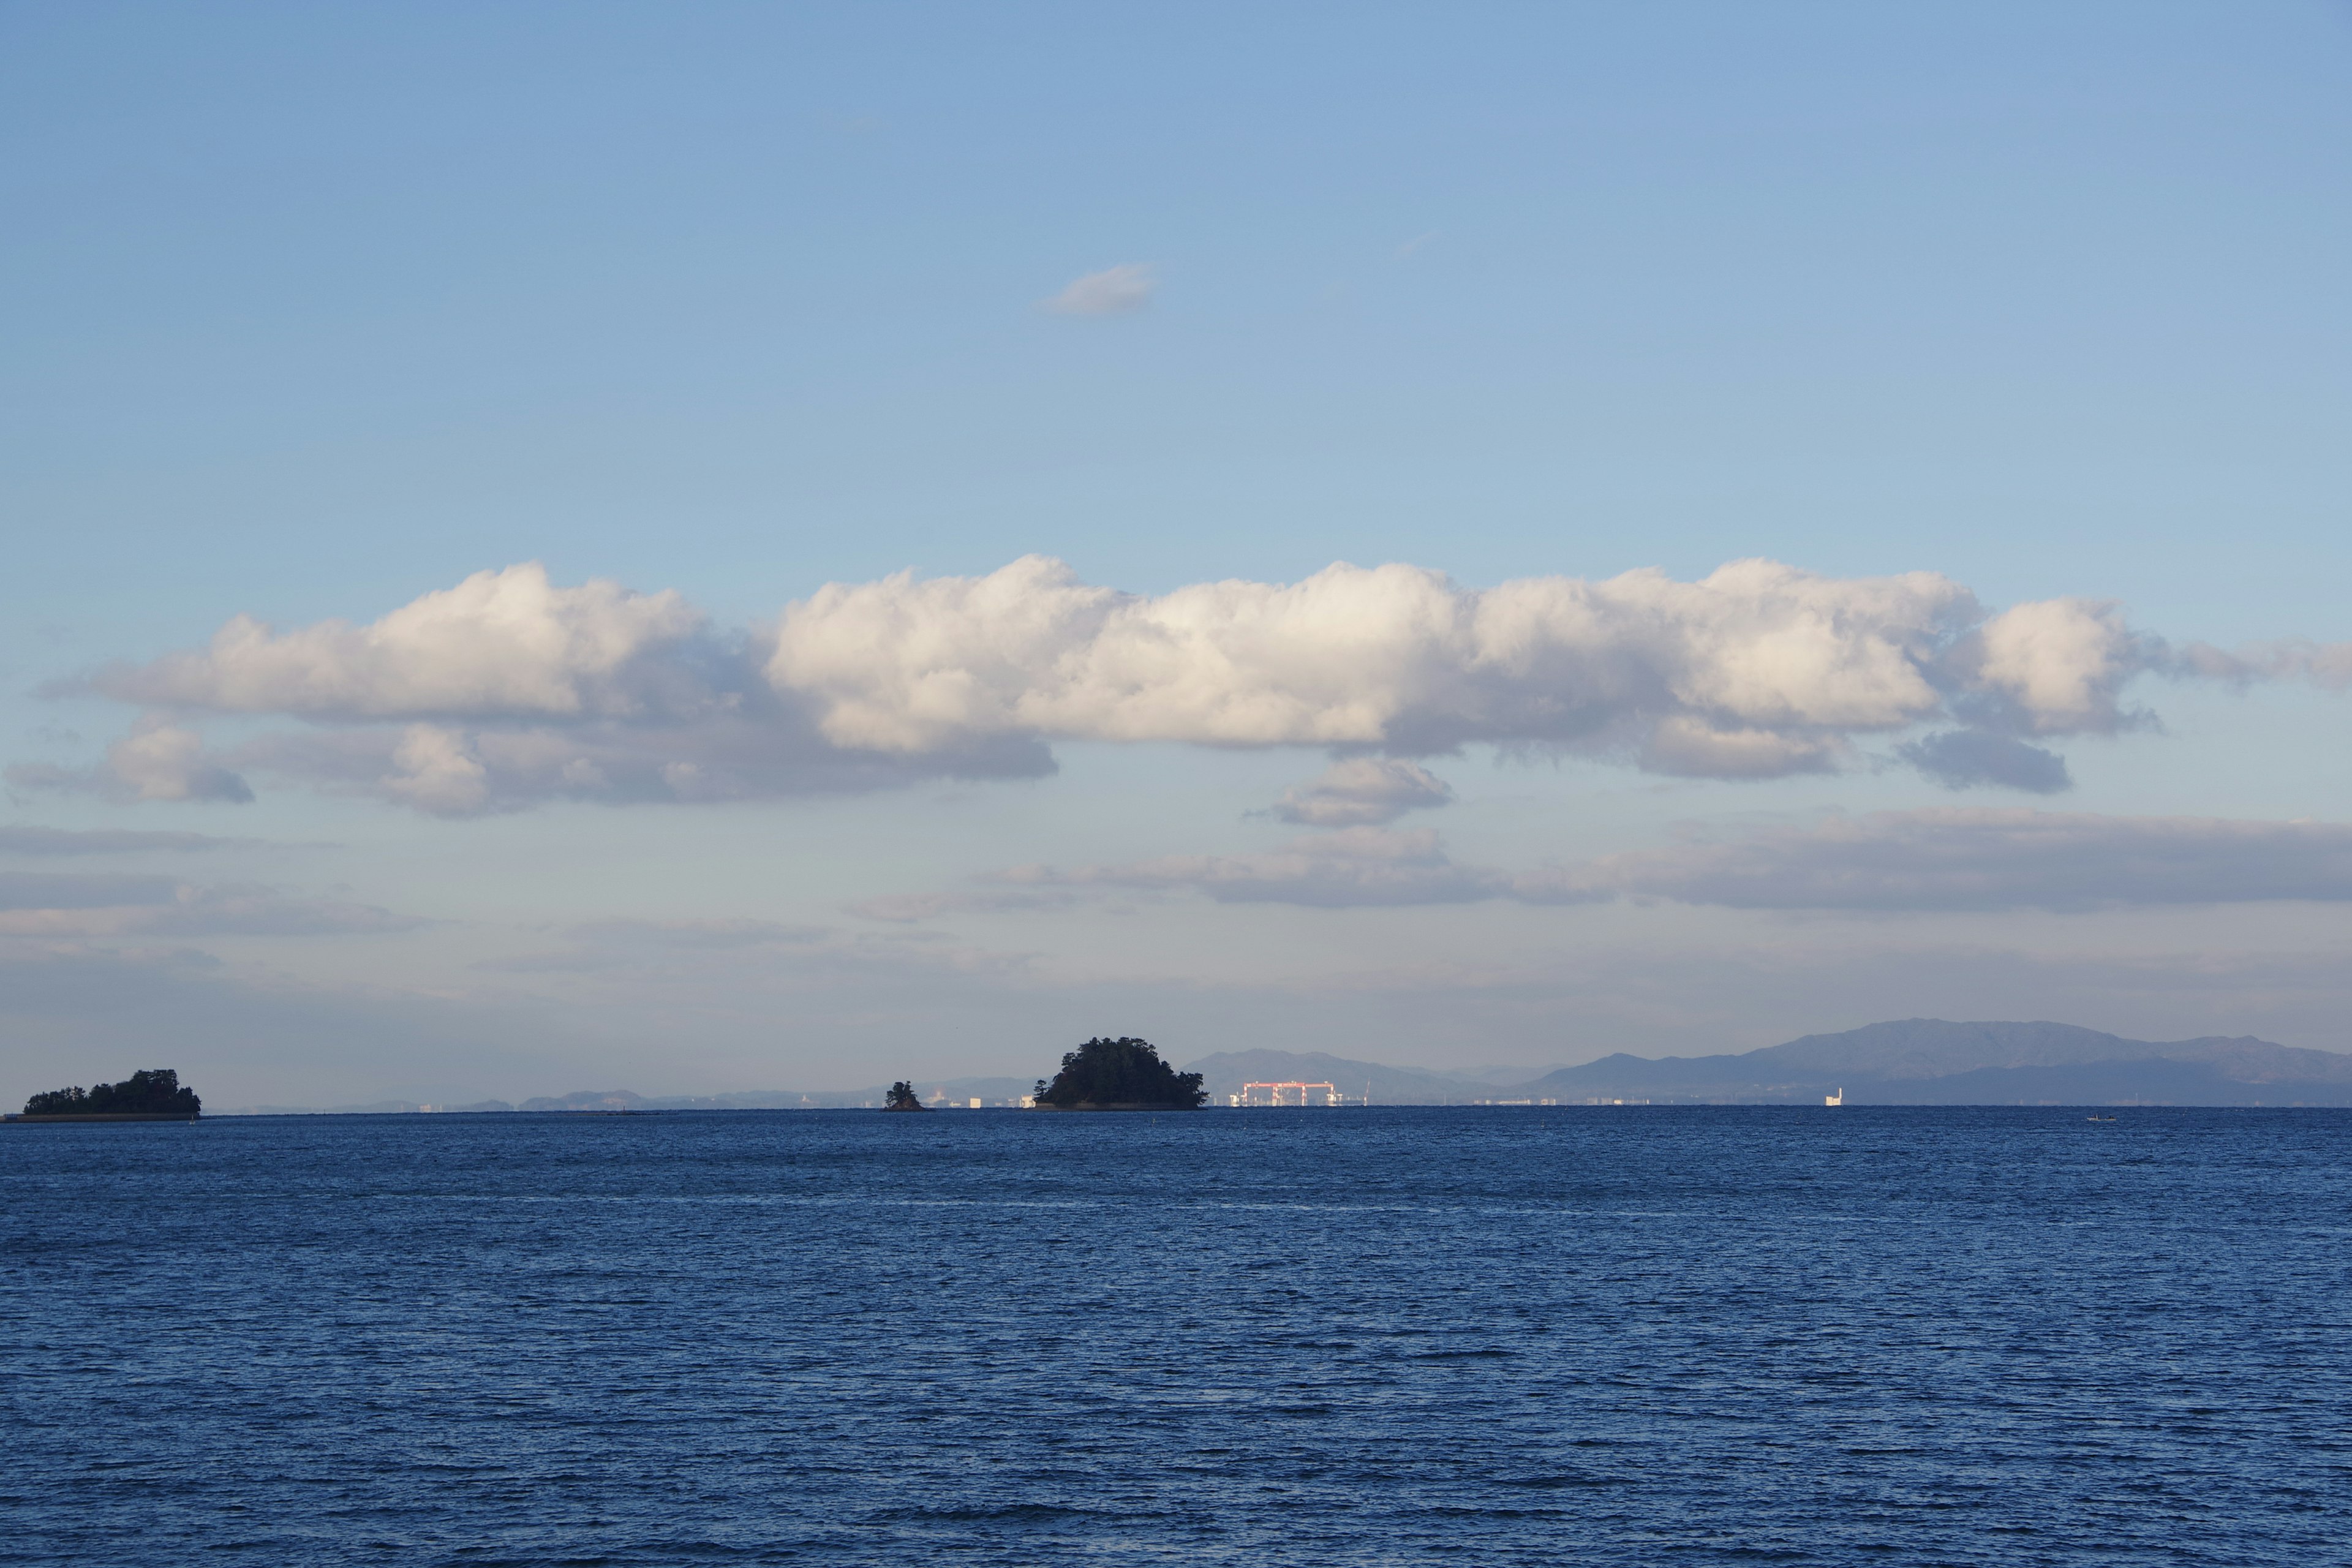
{"type": "Point", "coordinates": [1928, 1061]}
{"type": "Point", "coordinates": [1912, 1061]}
{"type": "Point", "coordinates": [1930, 1048]}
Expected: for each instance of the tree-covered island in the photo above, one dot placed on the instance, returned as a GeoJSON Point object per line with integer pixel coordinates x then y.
{"type": "Point", "coordinates": [902, 1097]}
{"type": "Point", "coordinates": [155, 1093]}
{"type": "Point", "coordinates": [1119, 1075]}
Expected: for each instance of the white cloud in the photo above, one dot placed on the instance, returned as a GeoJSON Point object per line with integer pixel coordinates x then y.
{"type": "Point", "coordinates": [506, 689]}
{"type": "Point", "coordinates": [434, 769]}
{"type": "Point", "coordinates": [502, 643]}
{"type": "Point", "coordinates": [157, 761]}
{"type": "Point", "coordinates": [2054, 667]}
{"type": "Point", "coordinates": [162, 762]}
{"type": "Point", "coordinates": [1943, 859]}
{"type": "Point", "coordinates": [1361, 791]}
{"type": "Point", "coordinates": [1114, 291]}
{"type": "Point", "coordinates": [1757, 669]}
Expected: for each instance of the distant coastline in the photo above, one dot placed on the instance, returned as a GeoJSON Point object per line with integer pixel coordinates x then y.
{"type": "Point", "coordinates": [104, 1116]}
{"type": "Point", "coordinates": [1916, 1061]}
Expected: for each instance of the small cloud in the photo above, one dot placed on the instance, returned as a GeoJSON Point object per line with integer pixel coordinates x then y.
{"type": "Point", "coordinates": [1960, 759]}
{"type": "Point", "coordinates": [160, 761]}
{"type": "Point", "coordinates": [1361, 790]}
{"type": "Point", "coordinates": [1114, 291]}
{"type": "Point", "coordinates": [1415, 243]}
{"type": "Point", "coordinates": [157, 761]}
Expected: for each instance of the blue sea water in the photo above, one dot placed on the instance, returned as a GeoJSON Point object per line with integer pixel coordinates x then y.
{"type": "Point", "coordinates": [1620, 1335]}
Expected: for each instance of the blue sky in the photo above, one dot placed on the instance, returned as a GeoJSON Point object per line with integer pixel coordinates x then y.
{"type": "Point", "coordinates": [315, 311]}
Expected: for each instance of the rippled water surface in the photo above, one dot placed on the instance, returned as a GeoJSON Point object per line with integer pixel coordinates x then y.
{"type": "Point", "coordinates": [1483, 1336]}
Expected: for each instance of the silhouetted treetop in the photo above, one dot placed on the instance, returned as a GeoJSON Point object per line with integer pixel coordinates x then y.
{"type": "Point", "coordinates": [148, 1093]}
{"type": "Point", "coordinates": [1119, 1075]}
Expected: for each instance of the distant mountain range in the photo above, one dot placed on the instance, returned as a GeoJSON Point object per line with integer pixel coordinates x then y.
{"type": "Point", "coordinates": [1927, 1061]}
{"type": "Point", "coordinates": [1917, 1061]}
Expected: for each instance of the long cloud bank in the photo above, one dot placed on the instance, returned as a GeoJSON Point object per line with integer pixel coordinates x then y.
{"type": "Point", "coordinates": [508, 688]}
{"type": "Point", "coordinates": [1944, 860]}
{"type": "Point", "coordinates": [100, 905]}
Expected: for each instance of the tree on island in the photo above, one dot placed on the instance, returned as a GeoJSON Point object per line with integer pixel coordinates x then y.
{"type": "Point", "coordinates": [1119, 1075]}
{"type": "Point", "coordinates": [152, 1093]}
{"type": "Point", "coordinates": [902, 1097]}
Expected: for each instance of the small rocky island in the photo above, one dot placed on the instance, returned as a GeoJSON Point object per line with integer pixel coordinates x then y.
{"type": "Point", "coordinates": [150, 1096]}
{"type": "Point", "coordinates": [902, 1097]}
{"type": "Point", "coordinates": [1119, 1075]}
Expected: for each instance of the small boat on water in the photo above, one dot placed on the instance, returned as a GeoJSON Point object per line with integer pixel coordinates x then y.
{"type": "Point", "coordinates": [2097, 1118]}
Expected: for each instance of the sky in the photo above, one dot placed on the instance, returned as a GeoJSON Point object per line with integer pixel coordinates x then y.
{"type": "Point", "coordinates": [716, 547]}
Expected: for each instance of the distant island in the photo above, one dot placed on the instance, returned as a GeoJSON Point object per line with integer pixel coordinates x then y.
{"type": "Point", "coordinates": [902, 1097]}
{"type": "Point", "coordinates": [149, 1096]}
{"type": "Point", "coordinates": [1119, 1075]}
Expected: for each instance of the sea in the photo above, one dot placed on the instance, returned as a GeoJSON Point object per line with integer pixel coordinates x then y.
{"type": "Point", "coordinates": [1554, 1335]}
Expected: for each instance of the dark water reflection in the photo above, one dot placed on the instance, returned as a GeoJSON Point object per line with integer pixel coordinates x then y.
{"type": "Point", "coordinates": [1501, 1336]}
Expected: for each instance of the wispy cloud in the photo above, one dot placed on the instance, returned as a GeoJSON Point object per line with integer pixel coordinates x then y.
{"type": "Point", "coordinates": [1937, 860]}
{"type": "Point", "coordinates": [1953, 858]}
{"type": "Point", "coordinates": [1114, 291]}
{"type": "Point", "coordinates": [1361, 791]}
{"type": "Point", "coordinates": [1353, 867]}
{"type": "Point", "coordinates": [54, 841]}
{"type": "Point", "coordinates": [108, 906]}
